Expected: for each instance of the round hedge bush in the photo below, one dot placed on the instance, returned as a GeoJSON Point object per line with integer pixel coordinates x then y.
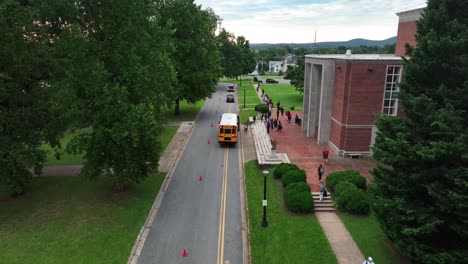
{"type": "Point", "coordinates": [262, 108]}
{"type": "Point", "coordinates": [354, 200]}
{"type": "Point", "coordinates": [342, 187]}
{"type": "Point", "coordinates": [345, 176]}
{"type": "Point", "coordinates": [282, 168]}
{"type": "Point", "coordinates": [299, 202]}
{"type": "Point", "coordinates": [291, 176]}
{"type": "Point", "coordinates": [297, 187]}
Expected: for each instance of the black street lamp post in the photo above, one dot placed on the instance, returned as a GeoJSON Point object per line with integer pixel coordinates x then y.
{"type": "Point", "coordinates": [244, 96]}
{"type": "Point", "coordinates": [264, 222]}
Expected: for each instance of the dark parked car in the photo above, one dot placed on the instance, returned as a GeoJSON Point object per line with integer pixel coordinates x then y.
{"type": "Point", "coordinates": [286, 77]}
{"type": "Point", "coordinates": [230, 88]}
{"type": "Point", "coordinates": [230, 98]}
{"type": "Point", "coordinates": [257, 79]}
{"type": "Point", "coordinates": [271, 81]}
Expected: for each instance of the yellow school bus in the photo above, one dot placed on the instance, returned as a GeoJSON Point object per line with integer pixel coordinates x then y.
{"type": "Point", "coordinates": [228, 128]}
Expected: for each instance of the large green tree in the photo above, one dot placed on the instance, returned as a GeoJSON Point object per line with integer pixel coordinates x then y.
{"type": "Point", "coordinates": [231, 54]}
{"type": "Point", "coordinates": [247, 55]}
{"type": "Point", "coordinates": [196, 55]}
{"type": "Point", "coordinates": [116, 74]}
{"type": "Point", "coordinates": [296, 73]}
{"type": "Point", "coordinates": [24, 92]}
{"type": "Point", "coordinates": [421, 183]}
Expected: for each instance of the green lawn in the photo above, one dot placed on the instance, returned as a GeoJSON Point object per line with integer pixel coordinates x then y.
{"type": "Point", "coordinates": [279, 88]}
{"type": "Point", "coordinates": [65, 158]}
{"type": "Point", "coordinates": [69, 159]}
{"type": "Point", "coordinates": [244, 115]}
{"type": "Point", "coordinates": [370, 238]}
{"type": "Point", "coordinates": [249, 100]}
{"type": "Point", "coordinates": [289, 238]}
{"type": "Point", "coordinates": [284, 93]}
{"type": "Point", "coordinates": [188, 112]}
{"type": "Point", "coordinates": [167, 135]}
{"type": "Point", "coordinates": [249, 91]}
{"type": "Point", "coordinates": [72, 220]}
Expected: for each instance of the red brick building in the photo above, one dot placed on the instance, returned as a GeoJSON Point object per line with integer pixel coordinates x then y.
{"type": "Point", "coordinates": [344, 92]}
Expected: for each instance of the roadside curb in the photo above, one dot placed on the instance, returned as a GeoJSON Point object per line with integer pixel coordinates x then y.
{"type": "Point", "coordinates": [141, 238]}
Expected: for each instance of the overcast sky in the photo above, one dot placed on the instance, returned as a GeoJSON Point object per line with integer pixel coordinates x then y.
{"type": "Point", "coordinates": [288, 21]}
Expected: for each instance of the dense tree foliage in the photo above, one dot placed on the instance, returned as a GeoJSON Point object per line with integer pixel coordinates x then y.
{"type": "Point", "coordinates": [119, 75]}
{"type": "Point", "coordinates": [24, 92]}
{"type": "Point", "coordinates": [296, 73]}
{"type": "Point", "coordinates": [196, 58]}
{"type": "Point", "coordinates": [236, 56]}
{"type": "Point", "coordinates": [105, 67]}
{"type": "Point", "coordinates": [421, 185]}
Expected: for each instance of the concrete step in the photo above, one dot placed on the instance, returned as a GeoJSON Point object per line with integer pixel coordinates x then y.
{"type": "Point", "coordinates": [322, 204]}
{"type": "Point", "coordinates": [324, 209]}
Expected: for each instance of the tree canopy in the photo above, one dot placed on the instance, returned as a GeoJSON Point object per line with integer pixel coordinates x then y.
{"type": "Point", "coordinates": [195, 57]}
{"type": "Point", "coordinates": [107, 68]}
{"type": "Point", "coordinates": [236, 56]}
{"type": "Point", "coordinates": [421, 188]}
{"type": "Point", "coordinates": [24, 93]}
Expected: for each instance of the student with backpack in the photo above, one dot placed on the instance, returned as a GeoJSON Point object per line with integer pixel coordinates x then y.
{"type": "Point", "coordinates": [321, 171]}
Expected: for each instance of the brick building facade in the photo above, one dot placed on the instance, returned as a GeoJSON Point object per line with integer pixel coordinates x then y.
{"type": "Point", "coordinates": [344, 92]}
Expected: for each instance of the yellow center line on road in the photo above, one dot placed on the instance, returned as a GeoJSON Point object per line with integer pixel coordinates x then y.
{"type": "Point", "coordinates": [222, 211]}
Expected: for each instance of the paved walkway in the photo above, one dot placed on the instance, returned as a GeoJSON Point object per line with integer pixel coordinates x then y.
{"type": "Point", "coordinates": [307, 154]}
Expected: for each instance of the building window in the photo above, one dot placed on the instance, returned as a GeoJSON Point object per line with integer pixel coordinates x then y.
{"type": "Point", "coordinates": [392, 82]}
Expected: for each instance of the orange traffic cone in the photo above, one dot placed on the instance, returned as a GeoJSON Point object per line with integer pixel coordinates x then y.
{"type": "Point", "coordinates": [184, 253]}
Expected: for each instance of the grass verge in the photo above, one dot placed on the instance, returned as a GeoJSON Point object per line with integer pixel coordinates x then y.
{"type": "Point", "coordinates": [289, 238]}
{"type": "Point", "coordinates": [370, 238]}
{"type": "Point", "coordinates": [65, 158]}
{"type": "Point", "coordinates": [72, 220]}
{"type": "Point", "coordinates": [70, 159]}
{"type": "Point", "coordinates": [188, 111]}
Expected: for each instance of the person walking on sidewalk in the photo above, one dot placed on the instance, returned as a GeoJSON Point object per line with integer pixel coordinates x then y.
{"type": "Point", "coordinates": [321, 190]}
{"type": "Point", "coordinates": [325, 154]}
{"type": "Point", "coordinates": [280, 126]}
{"type": "Point", "coordinates": [321, 171]}
{"type": "Point", "coordinates": [368, 261]}
{"type": "Point", "coordinates": [268, 124]}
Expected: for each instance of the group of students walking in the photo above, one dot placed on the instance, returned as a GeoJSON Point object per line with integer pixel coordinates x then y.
{"type": "Point", "coordinates": [320, 172]}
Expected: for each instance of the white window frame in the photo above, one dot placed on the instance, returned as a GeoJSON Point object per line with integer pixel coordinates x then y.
{"type": "Point", "coordinates": [392, 83]}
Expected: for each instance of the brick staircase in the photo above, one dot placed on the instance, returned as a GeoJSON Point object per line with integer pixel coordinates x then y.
{"type": "Point", "coordinates": [326, 205]}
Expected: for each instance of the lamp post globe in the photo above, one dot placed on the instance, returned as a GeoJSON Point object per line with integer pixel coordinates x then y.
{"type": "Point", "coordinates": [264, 222]}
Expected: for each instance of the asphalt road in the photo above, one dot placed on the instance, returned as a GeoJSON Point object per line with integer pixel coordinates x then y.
{"type": "Point", "coordinates": [203, 217]}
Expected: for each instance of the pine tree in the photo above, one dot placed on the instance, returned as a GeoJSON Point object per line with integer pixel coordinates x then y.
{"type": "Point", "coordinates": [421, 186]}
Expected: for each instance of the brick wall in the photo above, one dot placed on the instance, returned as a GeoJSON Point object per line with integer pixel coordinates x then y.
{"type": "Point", "coordinates": [406, 33]}
{"type": "Point", "coordinates": [340, 93]}
{"type": "Point", "coordinates": [357, 139]}
{"type": "Point", "coordinates": [366, 93]}
{"type": "Point", "coordinates": [337, 135]}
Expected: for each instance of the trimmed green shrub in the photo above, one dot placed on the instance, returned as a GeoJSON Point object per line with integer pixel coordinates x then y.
{"type": "Point", "coordinates": [345, 176]}
{"type": "Point", "coordinates": [354, 200]}
{"type": "Point", "coordinates": [342, 187]}
{"type": "Point", "coordinates": [282, 168]}
{"type": "Point", "coordinates": [299, 202]}
{"type": "Point", "coordinates": [291, 176]}
{"type": "Point", "coordinates": [262, 108]}
{"type": "Point", "coordinates": [297, 187]}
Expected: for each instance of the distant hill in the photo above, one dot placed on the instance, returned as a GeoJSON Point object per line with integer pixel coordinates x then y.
{"type": "Point", "coordinates": [350, 43]}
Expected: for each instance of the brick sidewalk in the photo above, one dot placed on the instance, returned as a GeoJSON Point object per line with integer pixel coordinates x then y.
{"type": "Point", "coordinates": [307, 154]}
